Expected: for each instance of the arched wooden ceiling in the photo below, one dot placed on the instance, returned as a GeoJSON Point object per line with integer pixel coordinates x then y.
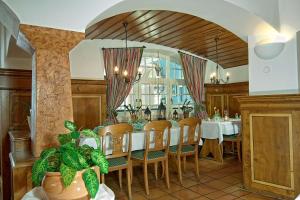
{"type": "Point", "coordinates": [176, 30]}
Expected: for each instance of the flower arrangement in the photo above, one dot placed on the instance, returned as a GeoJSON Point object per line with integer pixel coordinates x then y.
{"type": "Point", "coordinates": [69, 158]}
{"type": "Point", "coordinates": [132, 111]}
{"type": "Point", "coordinates": [185, 106]}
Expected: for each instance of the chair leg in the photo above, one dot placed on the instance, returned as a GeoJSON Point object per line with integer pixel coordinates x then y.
{"type": "Point", "coordinates": [102, 179]}
{"type": "Point", "coordinates": [128, 170]}
{"type": "Point", "coordinates": [131, 171]}
{"type": "Point", "coordinates": [238, 143]}
{"type": "Point", "coordinates": [179, 168]}
{"type": "Point", "coordinates": [163, 169]}
{"type": "Point", "coordinates": [184, 163]}
{"type": "Point", "coordinates": [120, 178]}
{"type": "Point", "coordinates": [167, 173]}
{"type": "Point", "coordinates": [146, 178]}
{"type": "Point", "coordinates": [155, 170]}
{"type": "Point", "coordinates": [196, 164]}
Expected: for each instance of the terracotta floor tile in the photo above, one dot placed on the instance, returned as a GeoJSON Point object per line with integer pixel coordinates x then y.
{"type": "Point", "coordinates": [188, 182]}
{"type": "Point", "coordinates": [168, 197]}
{"type": "Point", "coordinates": [154, 193]}
{"type": "Point", "coordinates": [202, 189]}
{"type": "Point", "coordinates": [173, 188]}
{"type": "Point", "coordinates": [240, 193]}
{"type": "Point", "coordinates": [227, 197]}
{"type": "Point", "coordinates": [137, 196]}
{"type": "Point", "coordinates": [230, 180]}
{"type": "Point", "coordinates": [202, 198]}
{"type": "Point", "coordinates": [216, 194]}
{"type": "Point", "coordinates": [185, 194]}
{"type": "Point", "coordinates": [218, 184]}
{"type": "Point", "coordinates": [232, 189]}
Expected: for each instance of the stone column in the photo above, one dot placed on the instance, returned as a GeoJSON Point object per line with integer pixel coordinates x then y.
{"type": "Point", "coordinates": [51, 83]}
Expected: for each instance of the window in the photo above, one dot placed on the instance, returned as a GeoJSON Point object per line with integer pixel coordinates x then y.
{"type": "Point", "coordinates": [165, 84]}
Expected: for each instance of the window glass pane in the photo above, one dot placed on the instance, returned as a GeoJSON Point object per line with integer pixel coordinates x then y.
{"type": "Point", "coordinates": [145, 99]}
{"type": "Point", "coordinates": [174, 89]}
{"type": "Point", "coordinates": [144, 89]}
{"type": "Point", "coordinates": [163, 67]}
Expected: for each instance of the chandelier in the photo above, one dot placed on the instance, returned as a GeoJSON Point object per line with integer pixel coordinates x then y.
{"type": "Point", "coordinates": [215, 76]}
{"type": "Point", "coordinates": [125, 72]}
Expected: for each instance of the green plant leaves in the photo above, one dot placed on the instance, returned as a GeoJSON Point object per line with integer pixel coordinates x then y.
{"type": "Point", "coordinates": [99, 159]}
{"type": "Point", "coordinates": [48, 152]}
{"type": "Point", "coordinates": [70, 158]}
{"type": "Point", "coordinates": [91, 182]}
{"type": "Point", "coordinates": [86, 152]}
{"type": "Point", "coordinates": [38, 171]}
{"type": "Point", "coordinates": [82, 161]}
{"type": "Point", "coordinates": [75, 134]}
{"type": "Point", "coordinates": [64, 138]}
{"type": "Point", "coordinates": [70, 125]}
{"type": "Point", "coordinates": [54, 162]}
{"type": "Point", "coordinates": [67, 174]}
{"type": "Point", "coordinates": [90, 133]}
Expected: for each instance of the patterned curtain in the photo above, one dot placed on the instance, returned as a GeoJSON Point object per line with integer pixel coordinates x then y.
{"type": "Point", "coordinates": [194, 76]}
{"type": "Point", "coordinates": [117, 89]}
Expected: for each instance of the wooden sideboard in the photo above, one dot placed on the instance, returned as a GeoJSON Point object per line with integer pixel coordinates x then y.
{"type": "Point", "coordinates": [271, 138]}
{"type": "Point", "coordinates": [224, 97]}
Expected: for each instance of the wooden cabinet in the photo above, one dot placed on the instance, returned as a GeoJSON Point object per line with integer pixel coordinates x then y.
{"type": "Point", "coordinates": [224, 97]}
{"type": "Point", "coordinates": [271, 138]}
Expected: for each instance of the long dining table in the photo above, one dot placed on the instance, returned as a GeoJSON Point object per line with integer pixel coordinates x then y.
{"type": "Point", "coordinates": [139, 139]}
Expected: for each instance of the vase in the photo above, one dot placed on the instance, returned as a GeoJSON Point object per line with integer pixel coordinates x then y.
{"type": "Point", "coordinates": [133, 117]}
{"type": "Point", "coordinates": [53, 186]}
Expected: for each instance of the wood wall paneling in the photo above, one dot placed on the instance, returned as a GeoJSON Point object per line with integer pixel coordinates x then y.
{"type": "Point", "coordinates": [224, 97]}
{"type": "Point", "coordinates": [271, 136]}
{"type": "Point", "coordinates": [89, 102]}
{"type": "Point", "coordinates": [15, 95]}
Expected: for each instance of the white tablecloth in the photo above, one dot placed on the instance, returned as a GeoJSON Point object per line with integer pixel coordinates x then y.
{"type": "Point", "coordinates": [216, 129]}
{"type": "Point", "coordinates": [139, 140]}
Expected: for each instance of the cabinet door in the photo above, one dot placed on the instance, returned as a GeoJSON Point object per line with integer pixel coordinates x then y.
{"type": "Point", "coordinates": [215, 101]}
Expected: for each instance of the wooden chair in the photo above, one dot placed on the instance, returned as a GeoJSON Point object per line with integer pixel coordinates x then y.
{"type": "Point", "coordinates": [156, 151]}
{"type": "Point", "coordinates": [188, 146]}
{"type": "Point", "coordinates": [234, 139]}
{"type": "Point", "coordinates": [120, 155]}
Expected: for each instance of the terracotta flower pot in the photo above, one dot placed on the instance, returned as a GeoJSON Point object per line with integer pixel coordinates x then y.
{"type": "Point", "coordinates": [55, 190]}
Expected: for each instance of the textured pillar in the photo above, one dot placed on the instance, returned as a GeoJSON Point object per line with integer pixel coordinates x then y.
{"type": "Point", "coordinates": [51, 83]}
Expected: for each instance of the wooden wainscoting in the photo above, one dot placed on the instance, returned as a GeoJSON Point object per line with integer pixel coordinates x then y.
{"type": "Point", "coordinates": [271, 138]}
{"type": "Point", "coordinates": [89, 102]}
{"type": "Point", "coordinates": [224, 97]}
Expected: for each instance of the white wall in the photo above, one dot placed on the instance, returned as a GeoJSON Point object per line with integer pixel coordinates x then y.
{"type": "Point", "coordinates": [86, 60]}
{"type": "Point", "coordinates": [275, 76]}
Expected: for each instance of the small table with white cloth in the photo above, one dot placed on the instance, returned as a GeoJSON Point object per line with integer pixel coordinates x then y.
{"type": "Point", "coordinates": [213, 131]}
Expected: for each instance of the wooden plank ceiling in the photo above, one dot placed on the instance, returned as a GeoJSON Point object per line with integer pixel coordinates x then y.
{"type": "Point", "coordinates": [176, 30]}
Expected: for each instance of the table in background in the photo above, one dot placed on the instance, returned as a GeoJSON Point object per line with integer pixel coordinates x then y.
{"type": "Point", "coordinates": [213, 131]}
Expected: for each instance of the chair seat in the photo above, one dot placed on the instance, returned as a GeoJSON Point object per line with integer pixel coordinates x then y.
{"type": "Point", "coordinates": [185, 148]}
{"type": "Point", "coordinates": [114, 162]}
{"type": "Point", "coordinates": [151, 155]}
{"type": "Point", "coordinates": [230, 137]}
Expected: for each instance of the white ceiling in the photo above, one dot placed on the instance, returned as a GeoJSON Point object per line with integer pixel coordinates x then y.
{"type": "Point", "coordinates": [242, 17]}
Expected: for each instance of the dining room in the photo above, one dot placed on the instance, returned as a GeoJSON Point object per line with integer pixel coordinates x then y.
{"type": "Point", "coordinates": [146, 100]}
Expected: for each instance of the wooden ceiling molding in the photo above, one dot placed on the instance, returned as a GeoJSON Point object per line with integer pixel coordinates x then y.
{"type": "Point", "coordinates": [176, 30]}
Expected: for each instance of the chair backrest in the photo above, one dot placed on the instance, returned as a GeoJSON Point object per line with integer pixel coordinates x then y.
{"type": "Point", "coordinates": [117, 133]}
{"type": "Point", "coordinates": [160, 140]}
{"type": "Point", "coordinates": [192, 137]}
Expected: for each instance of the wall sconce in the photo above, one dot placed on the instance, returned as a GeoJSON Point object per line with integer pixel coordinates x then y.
{"type": "Point", "coordinates": [269, 50]}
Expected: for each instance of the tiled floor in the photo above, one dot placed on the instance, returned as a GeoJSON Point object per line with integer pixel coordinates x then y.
{"type": "Point", "coordinates": [217, 181]}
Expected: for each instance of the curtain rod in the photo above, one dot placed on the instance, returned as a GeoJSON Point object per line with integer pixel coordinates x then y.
{"type": "Point", "coordinates": [192, 55]}
{"type": "Point", "coordinates": [124, 47]}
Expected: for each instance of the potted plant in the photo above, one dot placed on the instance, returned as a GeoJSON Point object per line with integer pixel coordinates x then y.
{"type": "Point", "coordinates": [186, 109]}
{"type": "Point", "coordinates": [70, 171]}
